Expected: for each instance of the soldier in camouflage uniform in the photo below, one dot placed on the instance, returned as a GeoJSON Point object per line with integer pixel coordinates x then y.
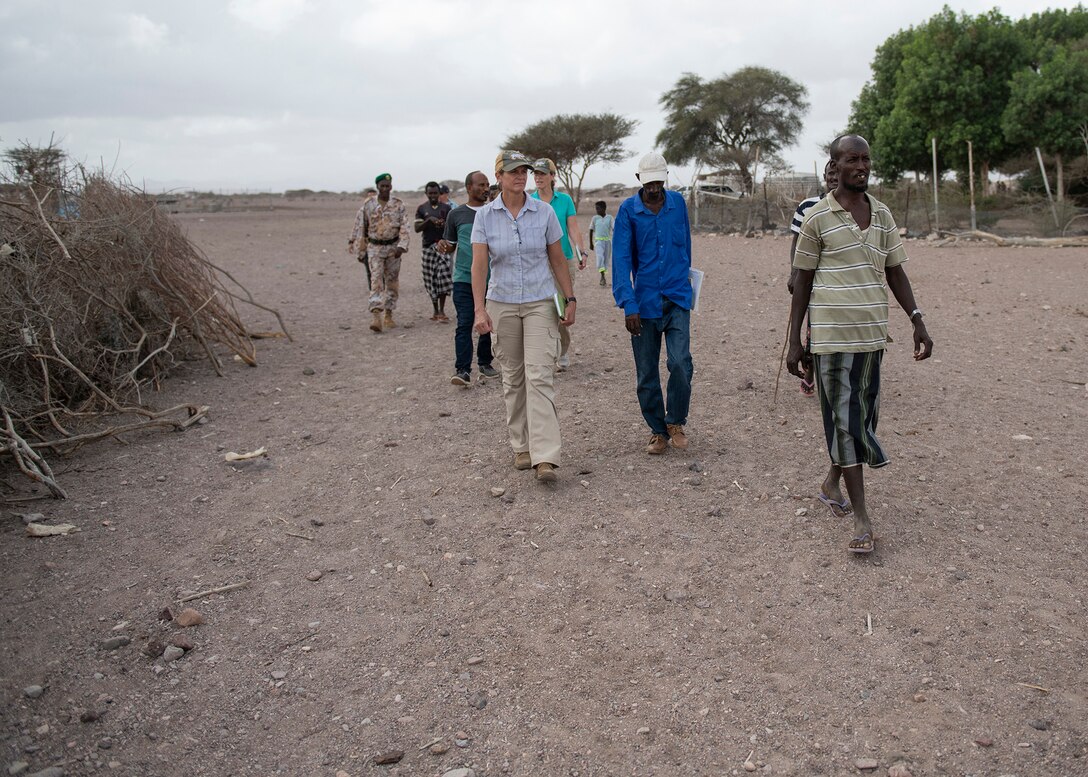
{"type": "Point", "coordinates": [357, 247]}
{"type": "Point", "coordinates": [382, 224]}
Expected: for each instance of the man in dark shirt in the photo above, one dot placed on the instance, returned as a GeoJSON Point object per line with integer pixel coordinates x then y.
{"type": "Point", "coordinates": [457, 241]}
{"type": "Point", "coordinates": [431, 221]}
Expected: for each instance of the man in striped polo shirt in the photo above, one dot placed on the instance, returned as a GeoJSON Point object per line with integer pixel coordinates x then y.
{"type": "Point", "coordinates": [848, 255]}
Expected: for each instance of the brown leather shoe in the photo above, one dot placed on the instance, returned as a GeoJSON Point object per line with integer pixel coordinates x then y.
{"type": "Point", "coordinates": [658, 445]}
{"type": "Point", "coordinates": [376, 324]}
{"type": "Point", "coordinates": [389, 322]}
{"type": "Point", "coordinates": [546, 473]}
{"type": "Point", "coordinates": [677, 436]}
{"type": "Point", "coordinates": [523, 460]}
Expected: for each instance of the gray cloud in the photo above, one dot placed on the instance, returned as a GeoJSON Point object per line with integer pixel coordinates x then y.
{"type": "Point", "coordinates": [289, 93]}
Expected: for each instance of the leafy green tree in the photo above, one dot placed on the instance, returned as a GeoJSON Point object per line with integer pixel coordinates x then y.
{"type": "Point", "coordinates": [1047, 107]}
{"type": "Point", "coordinates": [576, 142]}
{"type": "Point", "coordinates": [955, 81]}
{"type": "Point", "coordinates": [899, 142]}
{"type": "Point", "coordinates": [1064, 26]}
{"type": "Point", "coordinates": [731, 119]}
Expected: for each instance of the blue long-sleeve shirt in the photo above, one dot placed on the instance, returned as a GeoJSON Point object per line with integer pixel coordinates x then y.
{"type": "Point", "coordinates": [651, 256]}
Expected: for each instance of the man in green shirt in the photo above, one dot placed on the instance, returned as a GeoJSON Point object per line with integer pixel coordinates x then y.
{"type": "Point", "coordinates": [848, 255]}
{"type": "Point", "coordinates": [458, 236]}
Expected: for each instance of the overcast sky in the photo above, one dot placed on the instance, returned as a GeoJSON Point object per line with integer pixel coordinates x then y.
{"type": "Point", "coordinates": [325, 94]}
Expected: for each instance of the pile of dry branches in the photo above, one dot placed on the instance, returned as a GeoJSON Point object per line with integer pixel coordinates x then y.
{"type": "Point", "coordinates": [96, 306]}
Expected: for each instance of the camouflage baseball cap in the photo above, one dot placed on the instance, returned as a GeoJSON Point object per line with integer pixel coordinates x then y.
{"type": "Point", "coordinates": [509, 160]}
{"type": "Point", "coordinates": [544, 165]}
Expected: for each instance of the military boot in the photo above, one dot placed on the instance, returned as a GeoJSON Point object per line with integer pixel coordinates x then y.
{"type": "Point", "coordinates": [389, 322]}
{"type": "Point", "coordinates": [376, 324]}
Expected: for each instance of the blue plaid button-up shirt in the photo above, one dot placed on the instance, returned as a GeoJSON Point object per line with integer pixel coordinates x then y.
{"type": "Point", "coordinates": [518, 249]}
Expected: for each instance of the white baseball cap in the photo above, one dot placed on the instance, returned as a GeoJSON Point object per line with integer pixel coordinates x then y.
{"type": "Point", "coordinates": [652, 167]}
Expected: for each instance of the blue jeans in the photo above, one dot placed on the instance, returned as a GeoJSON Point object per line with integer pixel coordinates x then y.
{"type": "Point", "coordinates": [674, 324]}
{"type": "Point", "coordinates": [462, 335]}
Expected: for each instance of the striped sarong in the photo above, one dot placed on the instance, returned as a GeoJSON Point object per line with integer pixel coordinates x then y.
{"type": "Point", "coordinates": [437, 276]}
{"type": "Point", "coordinates": [849, 388]}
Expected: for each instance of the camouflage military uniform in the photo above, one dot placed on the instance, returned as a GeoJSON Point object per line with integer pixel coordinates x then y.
{"type": "Point", "coordinates": [384, 227]}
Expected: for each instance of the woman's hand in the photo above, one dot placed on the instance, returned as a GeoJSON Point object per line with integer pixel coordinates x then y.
{"type": "Point", "coordinates": [569, 319]}
{"type": "Point", "coordinates": [483, 324]}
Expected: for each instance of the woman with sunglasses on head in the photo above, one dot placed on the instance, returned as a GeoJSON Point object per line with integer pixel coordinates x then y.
{"type": "Point", "coordinates": [518, 239]}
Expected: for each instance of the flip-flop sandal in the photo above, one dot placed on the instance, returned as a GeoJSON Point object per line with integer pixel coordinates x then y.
{"type": "Point", "coordinates": [862, 545]}
{"type": "Point", "coordinates": [838, 509]}
{"type": "Point", "coordinates": [808, 388]}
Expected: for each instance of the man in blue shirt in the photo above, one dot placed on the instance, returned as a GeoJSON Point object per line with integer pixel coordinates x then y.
{"type": "Point", "coordinates": [651, 259]}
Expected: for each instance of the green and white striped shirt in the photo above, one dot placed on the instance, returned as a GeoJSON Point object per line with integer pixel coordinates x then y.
{"type": "Point", "coordinates": [848, 309]}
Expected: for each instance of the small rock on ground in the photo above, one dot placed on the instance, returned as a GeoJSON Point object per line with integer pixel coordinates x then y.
{"type": "Point", "coordinates": [182, 641]}
{"type": "Point", "coordinates": [113, 643]}
{"type": "Point", "coordinates": [189, 617]}
{"type": "Point", "coordinates": [389, 757]}
{"type": "Point", "coordinates": [314, 576]}
{"type": "Point", "coordinates": [52, 771]}
{"type": "Point", "coordinates": [866, 764]}
{"type": "Point", "coordinates": [33, 691]}
{"type": "Point", "coordinates": [463, 771]}
{"type": "Point", "coordinates": [440, 748]}
{"type": "Point", "coordinates": [172, 653]}
{"type": "Point", "coordinates": [899, 770]}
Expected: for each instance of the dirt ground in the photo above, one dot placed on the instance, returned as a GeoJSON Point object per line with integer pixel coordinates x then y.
{"type": "Point", "coordinates": [672, 615]}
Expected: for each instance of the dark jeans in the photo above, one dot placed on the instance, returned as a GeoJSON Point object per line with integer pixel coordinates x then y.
{"type": "Point", "coordinates": [462, 336]}
{"type": "Point", "coordinates": [674, 324]}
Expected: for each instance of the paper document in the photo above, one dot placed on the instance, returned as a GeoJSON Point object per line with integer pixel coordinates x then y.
{"type": "Point", "coordinates": [696, 279]}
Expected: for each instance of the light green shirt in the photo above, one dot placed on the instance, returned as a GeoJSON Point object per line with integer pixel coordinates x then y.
{"type": "Point", "coordinates": [848, 309]}
{"type": "Point", "coordinates": [564, 208]}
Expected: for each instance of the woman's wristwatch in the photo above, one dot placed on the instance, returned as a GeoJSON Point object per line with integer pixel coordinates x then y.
{"type": "Point", "coordinates": [571, 299]}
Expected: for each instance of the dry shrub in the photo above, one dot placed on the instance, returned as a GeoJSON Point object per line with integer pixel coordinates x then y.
{"type": "Point", "coordinates": [95, 308]}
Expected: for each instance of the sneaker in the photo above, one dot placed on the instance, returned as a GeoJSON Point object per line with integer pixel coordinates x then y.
{"type": "Point", "coordinates": [563, 363]}
{"type": "Point", "coordinates": [546, 473]}
{"type": "Point", "coordinates": [488, 371]}
{"type": "Point", "coordinates": [657, 445]}
{"type": "Point", "coordinates": [461, 379]}
{"type": "Point", "coordinates": [523, 460]}
{"type": "Point", "coordinates": [602, 279]}
{"type": "Point", "coordinates": [677, 436]}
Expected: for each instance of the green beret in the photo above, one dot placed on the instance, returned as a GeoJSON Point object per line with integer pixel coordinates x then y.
{"type": "Point", "coordinates": [383, 177]}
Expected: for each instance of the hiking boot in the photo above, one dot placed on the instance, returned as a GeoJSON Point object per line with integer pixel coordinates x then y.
{"type": "Point", "coordinates": [376, 324]}
{"type": "Point", "coordinates": [546, 473]}
{"type": "Point", "coordinates": [677, 436]}
{"type": "Point", "coordinates": [488, 371]}
{"type": "Point", "coordinates": [658, 444]}
{"type": "Point", "coordinates": [389, 322]}
{"type": "Point", "coordinates": [461, 379]}
{"type": "Point", "coordinates": [523, 460]}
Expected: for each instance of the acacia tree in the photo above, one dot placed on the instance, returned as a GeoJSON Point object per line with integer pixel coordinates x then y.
{"type": "Point", "coordinates": [732, 119]}
{"type": "Point", "coordinates": [1047, 107]}
{"type": "Point", "coordinates": [41, 168]}
{"type": "Point", "coordinates": [576, 142]}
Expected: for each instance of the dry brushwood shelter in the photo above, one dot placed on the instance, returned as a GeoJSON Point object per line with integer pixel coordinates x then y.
{"type": "Point", "coordinates": [100, 295]}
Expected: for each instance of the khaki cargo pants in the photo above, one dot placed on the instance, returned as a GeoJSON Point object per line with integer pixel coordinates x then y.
{"type": "Point", "coordinates": [525, 342]}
